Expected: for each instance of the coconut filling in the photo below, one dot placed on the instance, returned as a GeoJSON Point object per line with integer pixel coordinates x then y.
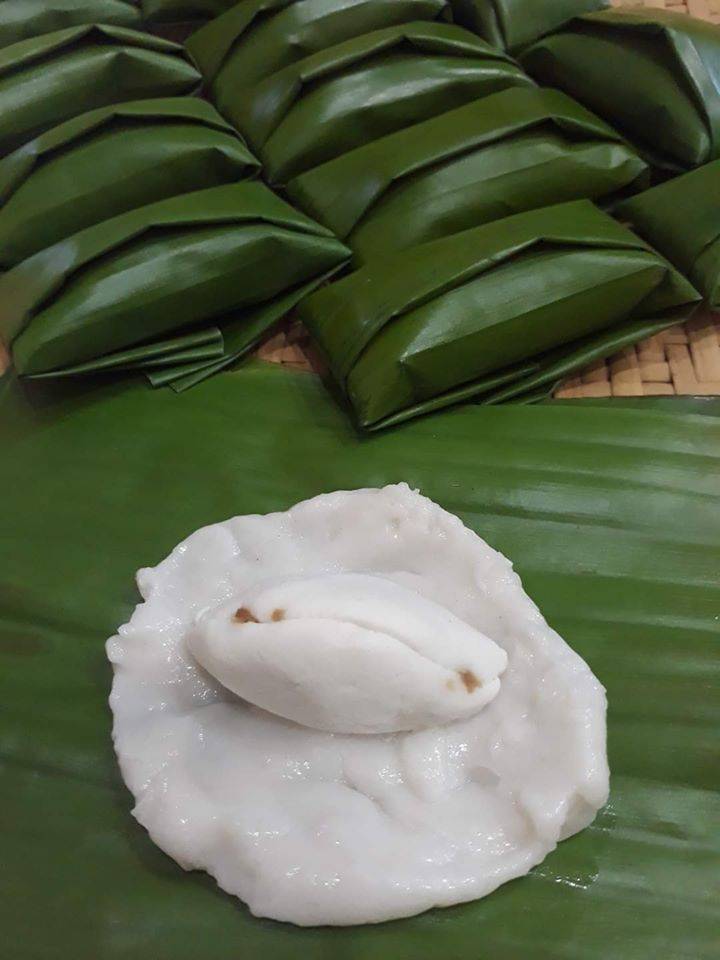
{"type": "Point", "coordinates": [348, 653]}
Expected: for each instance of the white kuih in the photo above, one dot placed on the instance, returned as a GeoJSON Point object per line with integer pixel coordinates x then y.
{"type": "Point", "coordinates": [352, 711]}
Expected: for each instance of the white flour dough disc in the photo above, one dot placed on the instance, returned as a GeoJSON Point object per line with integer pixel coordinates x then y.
{"type": "Point", "coordinates": [316, 827]}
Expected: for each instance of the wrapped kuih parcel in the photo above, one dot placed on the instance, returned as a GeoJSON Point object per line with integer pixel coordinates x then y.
{"type": "Point", "coordinates": [653, 75]}
{"type": "Point", "coordinates": [258, 37]}
{"type": "Point", "coordinates": [105, 162]}
{"type": "Point", "coordinates": [49, 79]}
{"type": "Point", "coordinates": [513, 24]}
{"type": "Point", "coordinates": [681, 219]}
{"type": "Point", "coordinates": [21, 19]}
{"type": "Point", "coordinates": [359, 90]}
{"type": "Point", "coordinates": [494, 312]}
{"type": "Point", "coordinates": [512, 151]}
{"type": "Point", "coordinates": [145, 288]}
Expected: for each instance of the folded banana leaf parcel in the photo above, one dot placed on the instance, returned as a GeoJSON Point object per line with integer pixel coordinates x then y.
{"type": "Point", "coordinates": [513, 24]}
{"type": "Point", "coordinates": [494, 312]}
{"type": "Point", "coordinates": [49, 79]}
{"type": "Point", "coordinates": [359, 90]}
{"type": "Point", "coordinates": [500, 155]}
{"type": "Point", "coordinates": [653, 75]}
{"type": "Point", "coordinates": [21, 19]}
{"type": "Point", "coordinates": [258, 37]}
{"type": "Point", "coordinates": [681, 219]}
{"type": "Point", "coordinates": [112, 295]}
{"type": "Point", "coordinates": [105, 162]}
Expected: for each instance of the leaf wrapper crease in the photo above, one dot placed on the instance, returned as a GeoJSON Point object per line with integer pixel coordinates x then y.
{"type": "Point", "coordinates": [681, 219]}
{"type": "Point", "coordinates": [362, 89]}
{"type": "Point", "coordinates": [506, 153]}
{"type": "Point", "coordinates": [488, 307]}
{"type": "Point", "coordinates": [108, 161]}
{"type": "Point", "coordinates": [655, 76]}
{"type": "Point", "coordinates": [154, 271]}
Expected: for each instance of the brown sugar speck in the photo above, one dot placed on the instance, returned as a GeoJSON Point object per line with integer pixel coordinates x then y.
{"type": "Point", "coordinates": [243, 615]}
{"type": "Point", "coordinates": [470, 680]}
{"type": "Point", "coordinates": [278, 615]}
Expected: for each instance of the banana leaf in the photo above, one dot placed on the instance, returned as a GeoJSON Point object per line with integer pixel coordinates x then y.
{"type": "Point", "coordinates": [485, 308]}
{"type": "Point", "coordinates": [356, 91]}
{"type": "Point", "coordinates": [111, 160]}
{"type": "Point", "coordinates": [182, 11]}
{"type": "Point", "coordinates": [514, 24]}
{"type": "Point", "coordinates": [681, 218]}
{"type": "Point", "coordinates": [503, 154]}
{"type": "Point", "coordinates": [611, 517]}
{"type": "Point", "coordinates": [21, 19]}
{"type": "Point", "coordinates": [49, 79]}
{"type": "Point", "coordinates": [259, 37]}
{"type": "Point", "coordinates": [200, 346]}
{"type": "Point", "coordinates": [157, 270]}
{"type": "Point", "coordinates": [655, 76]}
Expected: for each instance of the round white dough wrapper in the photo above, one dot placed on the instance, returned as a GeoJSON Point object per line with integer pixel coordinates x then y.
{"type": "Point", "coordinates": [316, 827]}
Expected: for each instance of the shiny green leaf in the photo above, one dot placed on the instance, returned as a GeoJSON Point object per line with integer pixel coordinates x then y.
{"type": "Point", "coordinates": [488, 308]}
{"type": "Point", "coordinates": [513, 24]}
{"type": "Point", "coordinates": [158, 269]}
{"type": "Point", "coordinates": [111, 160]}
{"type": "Point", "coordinates": [182, 11]}
{"type": "Point", "coordinates": [21, 19]}
{"type": "Point", "coordinates": [503, 154]}
{"type": "Point", "coordinates": [258, 37]}
{"type": "Point", "coordinates": [681, 218]}
{"type": "Point", "coordinates": [361, 89]}
{"type": "Point", "coordinates": [611, 517]}
{"type": "Point", "coordinates": [654, 75]}
{"type": "Point", "coordinates": [49, 79]}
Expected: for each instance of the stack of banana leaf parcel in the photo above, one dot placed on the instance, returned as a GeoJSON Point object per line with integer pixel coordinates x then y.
{"type": "Point", "coordinates": [144, 228]}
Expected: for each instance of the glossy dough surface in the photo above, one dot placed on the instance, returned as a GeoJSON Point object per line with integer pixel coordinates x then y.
{"type": "Point", "coordinates": [316, 827]}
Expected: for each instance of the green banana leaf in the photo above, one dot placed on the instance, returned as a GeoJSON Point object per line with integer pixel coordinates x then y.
{"type": "Point", "coordinates": [111, 160]}
{"type": "Point", "coordinates": [514, 24]}
{"type": "Point", "coordinates": [156, 270]}
{"type": "Point", "coordinates": [259, 37]}
{"type": "Point", "coordinates": [182, 11]}
{"type": "Point", "coordinates": [21, 19]}
{"type": "Point", "coordinates": [201, 346]}
{"type": "Point", "coordinates": [503, 154]}
{"type": "Point", "coordinates": [49, 79]}
{"type": "Point", "coordinates": [361, 89]}
{"type": "Point", "coordinates": [681, 218]}
{"type": "Point", "coordinates": [653, 75]}
{"type": "Point", "coordinates": [485, 308]}
{"type": "Point", "coordinates": [611, 517]}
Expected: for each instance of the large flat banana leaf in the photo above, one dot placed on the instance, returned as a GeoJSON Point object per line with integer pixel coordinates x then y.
{"type": "Point", "coordinates": [654, 75]}
{"type": "Point", "coordinates": [487, 308]}
{"type": "Point", "coordinates": [49, 79]}
{"type": "Point", "coordinates": [513, 24]}
{"type": "Point", "coordinates": [503, 154]}
{"type": "Point", "coordinates": [108, 161]}
{"type": "Point", "coordinates": [361, 89]}
{"type": "Point", "coordinates": [259, 37]}
{"type": "Point", "coordinates": [21, 19]}
{"type": "Point", "coordinates": [156, 270]}
{"type": "Point", "coordinates": [681, 218]}
{"type": "Point", "coordinates": [611, 517]}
